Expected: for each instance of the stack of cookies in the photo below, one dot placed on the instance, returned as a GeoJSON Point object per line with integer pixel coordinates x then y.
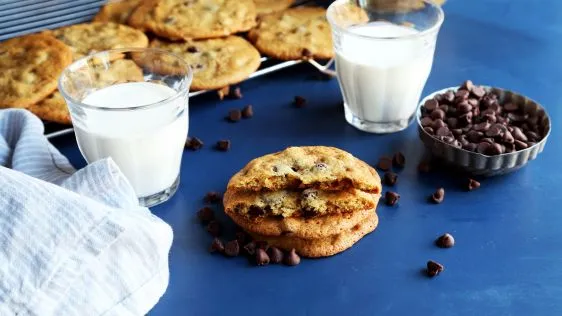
{"type": "Point", "coordinates": [317, 200]}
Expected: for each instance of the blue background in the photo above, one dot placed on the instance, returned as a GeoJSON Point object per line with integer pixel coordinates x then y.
{"type": "Point", "coordinates": [508, 256]}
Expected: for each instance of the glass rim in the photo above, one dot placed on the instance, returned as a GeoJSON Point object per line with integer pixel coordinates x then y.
{"type": "Point", "coordinates": [83, 60]}
{"type": "Point", "coordinates": [434, 28]}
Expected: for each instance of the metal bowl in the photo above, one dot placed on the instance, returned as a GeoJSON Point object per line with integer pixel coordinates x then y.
{"type": "Point", "coordinates": [483, 165]}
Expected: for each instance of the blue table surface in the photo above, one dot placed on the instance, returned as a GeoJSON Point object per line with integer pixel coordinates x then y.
{"type": "Point", "coordinates": [508, 256]}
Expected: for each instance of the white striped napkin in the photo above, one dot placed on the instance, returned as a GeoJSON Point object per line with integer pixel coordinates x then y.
{"type": "Point", "coordinates": [72, 243]}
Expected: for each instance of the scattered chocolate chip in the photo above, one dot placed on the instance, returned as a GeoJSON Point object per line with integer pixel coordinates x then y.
{"type": "Point", "coordinates": [473, 184]}
{"type": "Point", "coordinates": [206, 214]}
{"type": "Point", "coordinates": [193, 143]}
{"type": "Point", "coordinates": [262, 258]}
{"type": "Point", "coordinates": [424, 166]}
{"type": "Point", "coordinates": [214, 228]}
{"type": "Point", "coordinates": [299, 101]}
{"type": "Point", "coordinates": [292, 258]}
{"type": "Point", "coordinates": [236, 93]}
{"type": "Point", "coordinates": [438, 196]}
{"type": "Point", "coordinates": [192, 49]}
{"type": "Point", "coordinates": [232, 248]}
{"type": "Point", "coordinates": [242, 237]}
{"type": "Point", "coordinates": [212, 197]}
{"type": "Point", "coordinates": [248, 111]}
{"type": "Point", "coordinates": [234, 115]}
{"type": "Point", "coordinates": [262, 244]}
{"type": "Point", "coordinates": [217, 246]}
{"type": "Point", "coordinates": [398, 160]}
{"type": "Point", "coordinates": [250, 248]}
{"type": "Point", "coordinates": [445, 241]}
{"type": "Point", "coordinates": [390, 178]}
{"type": "Point", "coordinates": [385, 163]}
{"type": "Point", "coordinates": [391, 198]}
{"type": "Point", "coordinates": [223, 145]}
{"type": "Point", "coordinates": [275, 255]}
{"type": "Point", "coordinates": [434, 268]}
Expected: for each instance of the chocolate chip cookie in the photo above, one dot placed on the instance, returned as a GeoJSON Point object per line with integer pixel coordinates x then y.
{"type": "Point", "coordinates": [296, 33]}
{"type": "Point", "coordinates": [117, 12]}
{"type": "Point", "coordinates": [271, 6]}
{"type": "Point", "coordinates": [88, 38]}
{"type": "Point", "coordinates": [326, 246]}
{"type": "Point", "coordinates": [194, 19]}
{"type": "Point", "coordinates": [30, 66]}
{"type": "Point", "coordinates": [323, 168]}
{"type": "Point", "coordinates": [215, 62]}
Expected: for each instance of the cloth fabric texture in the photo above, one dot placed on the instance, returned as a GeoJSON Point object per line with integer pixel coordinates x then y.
{"type": "Point", "coordinates": [72, 242]}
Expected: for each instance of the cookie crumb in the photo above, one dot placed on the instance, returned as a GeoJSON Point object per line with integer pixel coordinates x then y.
{"type": "Point", "coordinates": [223, 92]}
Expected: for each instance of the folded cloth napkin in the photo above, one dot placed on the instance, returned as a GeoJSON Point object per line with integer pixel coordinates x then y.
{"type": "Point", "coordinates": [72, 242]}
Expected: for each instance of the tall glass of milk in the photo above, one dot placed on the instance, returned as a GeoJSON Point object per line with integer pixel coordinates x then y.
{"type": "Point", "coordinates": [384, 53]}
{"type": "Point", "coordinates": [132, 105]}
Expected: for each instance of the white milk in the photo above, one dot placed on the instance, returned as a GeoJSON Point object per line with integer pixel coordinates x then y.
{"type": "Point", "coordinates": [147, 145]}
{"type": "Point", "coordinates": [382, 80]}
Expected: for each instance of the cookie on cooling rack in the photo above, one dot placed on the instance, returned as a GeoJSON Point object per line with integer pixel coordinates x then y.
{"type": "Point", "coordinates": [301, 32]}
{"type": "Point", "coordinates": [215, 62]}
{"type": "Point", "coordinates": [194, 19]}
{"type": "Point", "coordinates": [30, 66]}
{"type": "Point", "coordinates": [271, 6]}
{"type": "Point", "coordinates": [117, 12]}
{"type": "Point", "coordinates": [54, 108]}
{"type": "Point", "coordinates": [88, 38]}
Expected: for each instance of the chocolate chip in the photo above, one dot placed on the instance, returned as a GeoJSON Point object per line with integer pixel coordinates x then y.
{"type": "Point", "coordinates": [424, 166]}
{"type": "Point", "coordinates": [262, 258]}
{"type": "Point", "coordinates": [275, 255]}
{"type": "Point", "coordinates": [216, 246]}
{"type": "Point", "coordinates": [232, 248]}
{"type": "Point", "coordinates": [519, 145]}
{"type": "Point", "coordinates": [292, 258]}
{"type": "Point", "coordinates": [495, 149]}
{"type": "Point", "coordinates": [321, 166]}
{"type": "Point", "coordinates": [482, 147]}
{"type": "Point", "coordinates": [449, 96]}
{"type": "Point", "coordinates": [214, 228]}
{"type": "Point", "coordinates": [247, 111]}
{"type": "Point", "coordinates": [236, 93]}
{"type": "Point", "coordinates": [464, 107]}
{"type": "Point", "coordinates": [250, 248]}
{"type": "Point", "coordinates": [438, 196]}
{"type": "Point", "coordinates": [426, 121]}
{"type": "Point", "coordinates": [467, 85]}
{"type": "Point", "coordinates": [390, 178]}
{"type": "Point", "coordinates": [482, 127]}
{"type": "Point", "coordinates": [242, 237]}
{"type": "Point", "coordinates": [510, 107]}
{"type": "Point", "coordinates": [434, 268]}
{"type": "Point", "coordinates": [192, 49]}
{"type": "Point", "coordinates": [399, 160]}
{"type": "Point", "coordinates": [299, 101]}
{"type": "Point", "coordinates": [518, 134]}
{"type": "Point", "coordinates": [437, 124]}
{"type": "Point", "coordinates": [234, 115]}
{"type": "Point", "coordinates": [443, 131]}
{"type": "Point", "coordinates": [452, 122]}
{"type": "Point", "coordinates": [473, 184]}
{"type": "Point", "coordinates": [438, 114]}
{"type": "Point", "coordinates": [223, 92]}
{"type": "Point", "coordinates": [212, 197]}
{"type": "Point", "coordinates": [495, 130]}
{"type": "Point", "coordinates": [429, 130]}
{"type": "Point", "coordinates": [445, 241]}
{"type": "Point", "coordinates": [193, 143]}
{"type": "Point", "coordinates": [391, 198]}
{"type": "Point", "coordinates": [478, 91]}
{"type": "Point", "coordinates": [262, 244]}
{"type": "Point", "coordinates": [255, 211]}
{"type": "Point", "coordinates": [385, 163]}
{"type": "Point", "coordinates": [306, 53]}
{"type": "Point", "coordinates": [532, 136]}
{"type": "Point", "coordinates": [431, 104]}
{"type": "Point", "coordinates": [444, 108]}
{"type": "Point", "coordinates": [223, 145]}
{"type": "Point", "coordinates": [462, 94]}
{"type": "Point", "coordinates": [206, 214]}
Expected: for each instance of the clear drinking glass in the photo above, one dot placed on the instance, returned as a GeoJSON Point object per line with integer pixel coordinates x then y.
{"type": "Point", "coordinates": [132, 105]}
{"type": "Point", "coordinates": [384, 53]}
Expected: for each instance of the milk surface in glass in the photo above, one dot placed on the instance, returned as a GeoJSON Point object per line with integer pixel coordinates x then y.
{"type": "Point", "coordinates": [147, 145]}
{"type": "Point", "coordinates": [382, 80]}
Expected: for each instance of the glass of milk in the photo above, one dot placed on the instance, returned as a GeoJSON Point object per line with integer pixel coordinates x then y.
{"type": "Point", "coordinates": [132, 105]}
{"type": "Point", "coordinates": [384, 53]}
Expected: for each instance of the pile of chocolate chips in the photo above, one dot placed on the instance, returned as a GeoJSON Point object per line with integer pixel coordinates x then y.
{"type": "Point", "coordinates": [259, 252]}
{"type": "Point", "coordinates": [475, 120]}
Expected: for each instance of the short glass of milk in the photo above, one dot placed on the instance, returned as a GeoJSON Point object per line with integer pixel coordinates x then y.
{"type": "Point", "coordinates": [132, 105]}
{"type": "Point", "coordinates": [384, 53]}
